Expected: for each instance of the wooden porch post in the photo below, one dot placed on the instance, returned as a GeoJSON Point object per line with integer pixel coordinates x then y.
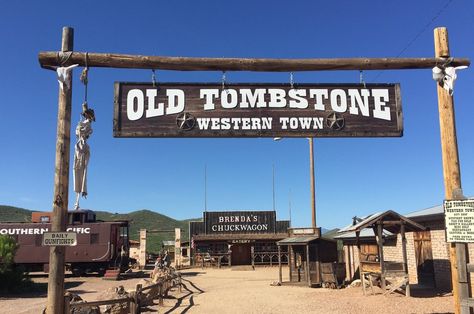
{"type": "Point", "coordinates": [381, 260]}
{"type": "Point", "coordinates": [361, 274]}
{"type": "Point", "coordinates": [405, 259]}
{"type": "Point", "coordinates": [252, 254]}
{"type": "Point", "coordinates": [308, 277]}
{"type": "Point", "coordinates": [279, 265]}
{"type": "Point", "coordinates": [290, 258]}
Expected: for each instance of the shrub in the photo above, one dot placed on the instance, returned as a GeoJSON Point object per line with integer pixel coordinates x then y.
{"type": "Point", "coordinates": [12, 278]}
{"type": "Point", "coordinates": [8, 249]}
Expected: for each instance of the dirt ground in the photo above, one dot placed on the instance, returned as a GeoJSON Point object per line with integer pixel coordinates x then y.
{"type": "Point", "coordinates": [245, 291]}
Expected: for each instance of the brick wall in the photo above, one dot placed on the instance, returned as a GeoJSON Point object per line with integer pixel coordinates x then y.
{"type": "Point", "coordinates": [393, 252]}
{"type": "Point", "coordinates": [440, 250]}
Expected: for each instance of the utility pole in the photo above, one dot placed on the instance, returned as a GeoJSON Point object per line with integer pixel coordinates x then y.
{"type": "Point", "coordinates": [313, 192]}
{"type": "Point", "coordinates": [55, 301]}
{"type": "Point", "coordinates": [449, 150]}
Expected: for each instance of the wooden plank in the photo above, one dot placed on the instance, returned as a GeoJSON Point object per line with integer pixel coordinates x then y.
{"type": "Point", "coordinates": [252, 110]}
{"type": "Point", "coordinates": [449, 150]}
{"type": "Point", "coordinates": [470, 267]}
{"type": "Point", "coordinates": [462, 275]}
{"type": "Point", "coordinates": [308, 277]}
{"type": "Point", "coordinates": [468, 302]}
{"type": "Point", "coordinates": [55, 298]}
{"type": "Point", "coordinates": [381, 261]}
{"type": "Point", "coordinates": [311, 182]}
{"type": "Point", "coordinates": [100, 302]}
{"type": "Point", "coordinates": [279, 265]}
{"type": "Point", "coordinates": [111, 60]}
{"type": "Point", "coordinates": [405, 259]}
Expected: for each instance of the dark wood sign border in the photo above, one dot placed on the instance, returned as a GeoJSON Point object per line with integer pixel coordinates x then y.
{"type": "Point", "coordinates": [398, 111]}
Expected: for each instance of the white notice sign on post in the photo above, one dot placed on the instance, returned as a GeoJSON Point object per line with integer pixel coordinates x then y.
{"type": "Point", "coordinates": [59, 239]}
{"type": "Point", "coordinates": [459, 216]}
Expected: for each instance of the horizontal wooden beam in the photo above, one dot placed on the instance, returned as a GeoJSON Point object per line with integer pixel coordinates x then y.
{"type": "Point", "coordinates": [467, 302]}
{"type": "Point", "coordinates": [470, 267]}
{"type": "Point", "coordinates": [49, 59]}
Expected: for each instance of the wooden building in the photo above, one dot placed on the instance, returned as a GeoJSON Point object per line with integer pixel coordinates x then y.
{"type": "Point", "coordinates": [383, 226]}
{"type": "Point", "coordinates": [427, 250]}
{"type": "Point", "coordinates": [237, 238]}
{"type": "Point", "coordinates": [308, 251]}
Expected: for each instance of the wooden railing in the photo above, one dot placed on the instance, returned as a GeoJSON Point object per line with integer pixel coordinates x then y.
{"type": "Point", "coordinates": [269, 258]}
{"type": "Point", "coordinates": [212, 259]}
{"type": "Point", "coordinates": [134, 300]}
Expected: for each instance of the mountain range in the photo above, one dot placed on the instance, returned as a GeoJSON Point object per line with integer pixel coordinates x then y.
{"type": "Point", "coordinates": [140, 219]}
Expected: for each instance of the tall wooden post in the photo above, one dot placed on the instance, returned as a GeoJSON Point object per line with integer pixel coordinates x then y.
{"type": "Point", "coordinates": [405, 258]}
{"type": "Point", "coordinates": [61, 186]}
{"type": "Point", "coordinates": [381, 259]}
{"type": "Point", "coordinates": [449, 150]}
{"type": "Point", "coordinates": [279, 265]}
{"type": "Point", "coordinates": [313, 192]}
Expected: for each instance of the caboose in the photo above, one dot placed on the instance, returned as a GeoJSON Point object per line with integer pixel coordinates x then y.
{"type": "Point", "coordinates": [101, 245]}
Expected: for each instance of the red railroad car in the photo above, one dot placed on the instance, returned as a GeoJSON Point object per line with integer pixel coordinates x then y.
{"type": "Point", "coordinates": [101, 245]}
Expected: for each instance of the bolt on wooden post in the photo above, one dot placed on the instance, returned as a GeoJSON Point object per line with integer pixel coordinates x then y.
{"type": "Point", "coordinates": [55, 301]}
{"type": "Point", "coordinates": [449, 150]}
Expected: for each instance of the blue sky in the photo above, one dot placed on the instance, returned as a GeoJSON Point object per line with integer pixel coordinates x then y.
{"type": "Point", "coordinates": [354, 176]}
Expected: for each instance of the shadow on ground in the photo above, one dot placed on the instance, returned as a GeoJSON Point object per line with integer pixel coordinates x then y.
{"type": "Point", "coordinates": [40, 290]}
{"type": "Point", "coordinates": [189, 295]}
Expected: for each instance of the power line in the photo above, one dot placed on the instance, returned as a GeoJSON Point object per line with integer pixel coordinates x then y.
{"type": "Point", "coordinates": [421, 32]}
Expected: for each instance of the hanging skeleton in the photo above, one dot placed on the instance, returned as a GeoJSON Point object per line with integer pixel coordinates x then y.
{"type": "Point", "coordinates": [81, 149]}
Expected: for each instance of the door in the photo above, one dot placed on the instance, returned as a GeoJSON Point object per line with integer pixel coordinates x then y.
{"type": "Point", "coordinates": [424, 257]}
{"type": "Point", "coordinates": [241, 254]}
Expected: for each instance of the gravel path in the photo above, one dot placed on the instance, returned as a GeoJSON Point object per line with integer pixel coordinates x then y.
{"type": "Point", "coordinates": [209, 291]}
{"type": "Point", "coordinates": [227, 291]}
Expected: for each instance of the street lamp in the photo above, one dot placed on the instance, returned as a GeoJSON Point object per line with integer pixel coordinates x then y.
{"type": "Point", "coordinates": [311, 174]}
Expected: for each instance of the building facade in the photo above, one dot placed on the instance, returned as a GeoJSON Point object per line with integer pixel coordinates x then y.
{"type": "Point", "coordinates": [238, 237]}
{"type": "Point", "coordinates": [427, 251]}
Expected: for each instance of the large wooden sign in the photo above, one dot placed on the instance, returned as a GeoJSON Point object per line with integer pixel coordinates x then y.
{"type": "Point", "coordinates": [257, 110]}
{"type": "Point", "coordinates": [240, 222]}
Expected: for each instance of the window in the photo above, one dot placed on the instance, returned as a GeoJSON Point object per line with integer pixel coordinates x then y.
{"type": "Point", "coordinates": [94, 238]}
{"type": "Point", "coordinates": [45, 219]}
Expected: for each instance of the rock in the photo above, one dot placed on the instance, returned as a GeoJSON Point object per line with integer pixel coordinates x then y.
{"type": "Point", "coordinates": [116, 293]}
{"type": "Point", "coordinates": [75, 299]}
{"type": "Point", "coordinates": [148, 295]}
{"type": "Point", "coordinates": [356, 283]}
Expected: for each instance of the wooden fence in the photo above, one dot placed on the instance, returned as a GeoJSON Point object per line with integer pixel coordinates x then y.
{"type": "Point", "coordinates": [135, 299]}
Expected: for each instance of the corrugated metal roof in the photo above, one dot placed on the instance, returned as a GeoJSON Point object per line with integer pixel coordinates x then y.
{"type": "Point", "coordinates": [434, 210]}
{"type": "Point", "coordinates": [370, 220]}
{"type": "Point", "coordinates": [298, 240]}
{"type": "Point", "coordinates": [364, 233]}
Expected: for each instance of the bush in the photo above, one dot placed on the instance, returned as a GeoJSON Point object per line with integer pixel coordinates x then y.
{"type": "Point", "coordinates": [8, 249]}
{"type": "Point", "coordinates": [12, 278]}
